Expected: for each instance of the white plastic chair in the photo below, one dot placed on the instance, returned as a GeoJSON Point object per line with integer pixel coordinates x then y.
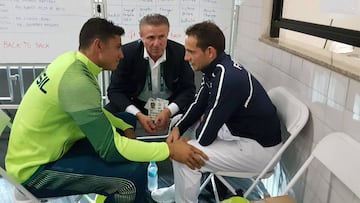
{"type": "Point", "coordinates": [293, 114]}
{"type": "Point", "coordinates": [340, 154]}
{"type": "Point", "coordinates": [5, 121]}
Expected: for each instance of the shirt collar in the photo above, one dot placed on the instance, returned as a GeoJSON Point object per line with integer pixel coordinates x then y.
{"type": "Point", "coordinates": [93, 68]}
{"type": "Point", "coordinates": [208, 70]}
{"type": "Point", "coordinates": [161, 59]}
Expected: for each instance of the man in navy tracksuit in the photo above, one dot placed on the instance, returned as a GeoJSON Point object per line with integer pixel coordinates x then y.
{"type": "Point", "coordinates": [232, 96]}
{"type": "Point", "coordinates": [237, 124]}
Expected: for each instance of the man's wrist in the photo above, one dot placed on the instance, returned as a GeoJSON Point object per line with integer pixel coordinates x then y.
{"type": "Point", "coordinates": [132, 109]}
{"type": "Point", "coordinates": [171, 150]}
{"type": "Point", "coordinates": [176, 130]}
{"type": "Point", "coordinates": [174, 108]}
{"type": "Point", "coordinates": [138, 115]}
{"type": "Point", "coordinates": [167, 111]}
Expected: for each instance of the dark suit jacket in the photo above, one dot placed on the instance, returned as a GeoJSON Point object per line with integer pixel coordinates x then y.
{"type": "Point", "coordinates": [128, 80]}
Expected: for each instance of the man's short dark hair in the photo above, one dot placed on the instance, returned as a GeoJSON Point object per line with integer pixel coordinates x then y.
{"type": "Point", "coordinates": [207, 34]}
{"type": "Point", "coordinates": [154, 19]}
{"type": "Point", "coordinates": [98, 28]}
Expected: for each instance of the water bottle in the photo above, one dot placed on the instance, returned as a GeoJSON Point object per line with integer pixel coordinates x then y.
{"type": "Point", "coordinates": [152, 176]}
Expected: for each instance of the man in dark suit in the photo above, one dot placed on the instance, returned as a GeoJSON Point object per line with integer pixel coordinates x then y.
{"type": "Point", "coordinates": [153, 67]}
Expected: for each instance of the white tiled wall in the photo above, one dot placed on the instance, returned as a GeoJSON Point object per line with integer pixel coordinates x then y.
{"type": "Point", "coordinates": [333, 100]}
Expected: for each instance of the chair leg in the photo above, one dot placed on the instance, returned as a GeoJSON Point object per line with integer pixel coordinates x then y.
{"type": "Point", "coordinates": [217, 200]}
{"type": "Point", "coordinates": [231, 188]}
{"type": "Point", "coordinates": [78, 198]}
{"type": "Point", "coordinates": [203, 185]}
{"type": "Point", "coordinates": [211, 178]}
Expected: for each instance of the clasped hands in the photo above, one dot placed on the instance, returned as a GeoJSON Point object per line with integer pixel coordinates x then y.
{"type": "Point", "coordinates": [183, 152]}
{"type": "Point", "coordinates": [160, 123]}
{"type": "Point", "coordinates": [180, 150]}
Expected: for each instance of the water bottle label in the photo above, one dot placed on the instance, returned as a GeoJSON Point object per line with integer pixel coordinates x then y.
{"type": "Point", "coordinates": [152, 173]}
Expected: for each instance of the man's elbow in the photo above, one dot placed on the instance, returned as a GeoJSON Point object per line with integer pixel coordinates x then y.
{"type": "Point", "coordinates": [111, 155]}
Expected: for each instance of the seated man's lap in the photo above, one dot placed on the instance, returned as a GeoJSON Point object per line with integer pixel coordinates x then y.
{"type": "Point", "coordinates": [82, 171]}
{"type": "Point", "coordinates": [243, 155]}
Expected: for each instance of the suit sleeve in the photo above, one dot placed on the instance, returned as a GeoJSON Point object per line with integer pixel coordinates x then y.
{"type": "Point", "coordinates": [182, 77]}
{"type": "Point", "coordinates": [120, 86]}
{"type": "Point", "coordinates": [185, 92]}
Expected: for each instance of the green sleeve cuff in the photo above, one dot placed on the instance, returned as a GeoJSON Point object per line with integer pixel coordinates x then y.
{"type": "Point", "coordinates": [117, 122]}
{"type": "Point", "coordinates": [135, 150]}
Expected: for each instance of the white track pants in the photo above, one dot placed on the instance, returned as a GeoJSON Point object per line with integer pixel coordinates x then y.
{"type": "Point", "coordinates": [226, 153]}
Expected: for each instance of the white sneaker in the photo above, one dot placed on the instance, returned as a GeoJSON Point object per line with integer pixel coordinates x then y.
{"type": "Point", "coordinates": [164, 195]}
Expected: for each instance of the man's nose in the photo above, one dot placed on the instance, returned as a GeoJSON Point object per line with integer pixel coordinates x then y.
{"type": "Point", "coordinates": [186, 57]}
{"type": "Point", "coordinates": [121, 55]}
{"type": "Point", "coordinates": [157, 42]}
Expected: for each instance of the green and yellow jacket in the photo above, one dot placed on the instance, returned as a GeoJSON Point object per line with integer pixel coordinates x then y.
{"type": "Point", "coordinates": [62, 106]}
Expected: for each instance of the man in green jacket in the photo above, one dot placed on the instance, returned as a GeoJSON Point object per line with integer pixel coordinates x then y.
{"type": "Point", "coordinates": [63, 142]}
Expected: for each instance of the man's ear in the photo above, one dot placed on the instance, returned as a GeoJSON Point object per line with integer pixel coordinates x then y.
{"type": "Point", "coordinates": [97, 44]}
{"type": "Point", "coordinates": [141, 37]}
{"type": "Point", "coordinates": [212, 52]}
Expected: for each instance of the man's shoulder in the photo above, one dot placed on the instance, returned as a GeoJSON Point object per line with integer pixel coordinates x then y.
{"type": "Point", "coordinates": [133, 45]}
{"type": "Point", "coordinates": [174, 45]}
{"type": "Point", "coordinates": [175, 49]}
{"type": "Point", "coordinates": [131, 50]}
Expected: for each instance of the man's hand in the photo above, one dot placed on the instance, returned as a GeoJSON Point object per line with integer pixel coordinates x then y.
{"type": "Point", "coordinates": [130, 133]}
{"type": "Point", "coordinates": [187, 154]}
{"type": "Point", "coordinates": [146, 122]}
{"type": "Point", "coordinates": [162, 120]}
{"type": "Point", "coordinates": [173, 136]}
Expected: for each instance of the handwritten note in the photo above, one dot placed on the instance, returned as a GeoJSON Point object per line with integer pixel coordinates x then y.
{"type": "Point", "coordinates": [36, 31]}
{"type": "Point", "coordinates": [181, 14]}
